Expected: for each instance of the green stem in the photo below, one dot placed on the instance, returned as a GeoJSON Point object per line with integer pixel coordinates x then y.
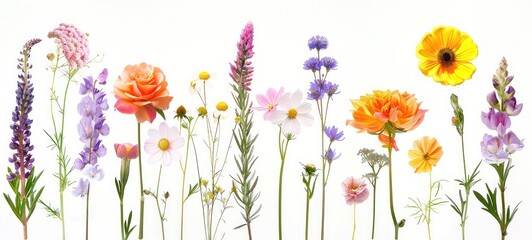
{"type": "Point", "coordinates": [122, 230]}
{"type": "Point", "coordinates": [62, 211]}
{"type": "Point", "coordinates": [374, 201]}
{"type": "Point", "coordinates": [87, 214]}
{"type": "Point", "coordinates": [141, 221]}
{"type": "Point", "coordinates": [467, 190]}
{"type": "Point", "coordinates": [183, 184]}
{"type": "Point", "coordinates": [394, 219]}
{"type": "Point", "coordinates": [354, 221]}
{"type": "Point", "coordinates": [161, 215]}
{"type": "Point", "coordinates": [430, 203]}
{"type": "Point", "coordinates": [282, 151]}
{"type": "Point", "coordinates": [502, 186]}
{"type": "Point", "coordinates": [307, 213]}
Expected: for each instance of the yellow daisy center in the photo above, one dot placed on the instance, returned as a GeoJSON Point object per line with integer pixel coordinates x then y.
{"type": "Point", "coordinates": [292, 113]}
{"type": "Point", "coordinates": [163, 144]}
{"type": "Point", "coordinates": [426, 156]}
{"type": "Point", "coordinates": [446, 57]}
{"type": "Point", "coordinates": [204, 76]}
{"type": "Point", "coordinates": [202, 111]}
{"type": "Point", "coordinates": [222, 106]}
{"type": "Point", "coordinates": [270, 107]}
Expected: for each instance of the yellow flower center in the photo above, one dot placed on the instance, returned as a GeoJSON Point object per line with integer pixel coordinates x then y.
{"type": "Point", "coordinates": [163, 144]}
{"type": "Point", "coordinates": [204, 76]}
{"type": "Point", "coordinates": [446, 57]}
{"type": "Point", "coordinates": [426, 156]}
{"type": "Point", "coordinates": [292, 113]}
{"type": "Point", "coordinates": [270, 107]}
{"type": "Point", "coordinates": [202, 111]}
{"type": "Point", "coordinates": [221, 106]}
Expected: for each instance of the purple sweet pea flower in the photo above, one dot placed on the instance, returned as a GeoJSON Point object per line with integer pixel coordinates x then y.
{"type": "Point", "coordinates": [492, 99]}
{"type": "Point", "coordinates": [318, 43]}
{"type": "Point", "coordinates": [512, 142]}
{"type": "Point", "coordinates": [102, 77]}
{"type": "Point", "coordinates": [87, 107]}
{"type": "Point", "coordinates": [492, 150]}
{"type": "Point", "coordinates": [496, 121]}
{"type": "Point", "coordinates": [512, 108]}
{"type": "Point", "coordinates": [329, 63]}
{"type": "Point", "coordinates": [333, 134]}
{"type": "Point", "coordinates": [313, 64]}
{"type": "Point", "coordinates": [81, 189]}
{"type": "Point", "coordinates": [92, 172]}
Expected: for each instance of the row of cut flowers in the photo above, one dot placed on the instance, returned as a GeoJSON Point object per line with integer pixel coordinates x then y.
{"type": "Point", "coordinates": [142, 90]}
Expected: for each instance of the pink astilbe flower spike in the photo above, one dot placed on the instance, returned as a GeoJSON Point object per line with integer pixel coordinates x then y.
{"type": "Point", "coordinates": [74, 44]}
{"type": "Point", "coordinates": [241, 70]}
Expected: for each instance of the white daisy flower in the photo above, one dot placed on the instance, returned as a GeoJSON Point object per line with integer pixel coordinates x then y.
{"type": "Point", "coordinates": [292, 112]}
{"type": "Point", "coordinates": [163, 144]}
{"type": "Point", "coordinates": [221, 111]}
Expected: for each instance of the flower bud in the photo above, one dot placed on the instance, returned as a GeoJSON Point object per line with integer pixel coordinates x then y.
{"type": "Point", "coordinates": [310, 169]}
{"type": "Point", "coordinates": [202, 111]}
{"type": "Point", "coordinates": [181, 112]}
{"type": "Point", "coordinates": [50, 56]}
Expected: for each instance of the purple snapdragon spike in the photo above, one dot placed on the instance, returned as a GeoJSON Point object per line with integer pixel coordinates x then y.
{"type": "Point", "coordinates": [91, 126]}
{"type": "Point", "coordinates": [318, 43]}
{"type": "Point", "coordinates": [241, 70]}
{"type": "Point", "coordinates": [333, 134]}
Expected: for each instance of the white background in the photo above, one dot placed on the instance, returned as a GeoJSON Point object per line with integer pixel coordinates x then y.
{"type": "Point", "coordinates": [374, 43]}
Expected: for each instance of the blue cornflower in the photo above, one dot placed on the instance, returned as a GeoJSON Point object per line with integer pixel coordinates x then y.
{"type": "Point", "coordinates": [316, 91]}
{"type": "Point", "coordinates": [329, 63]}
{"type": "Point", "coordinates": [313, 64]}
{"type": "Point", "coordinates": [318, 43]}
{"type": "Point", "coordinates": [330, 155]}
{"type": "Point", "coordinates": [330, 88]}
{"type": "Point", "coordinates": [333, 134]}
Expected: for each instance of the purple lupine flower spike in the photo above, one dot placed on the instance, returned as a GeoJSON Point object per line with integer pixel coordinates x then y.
{"type": "Point", "coordinates": [241, 70]}
{"type": "Point", "coordinates": [22, 159]}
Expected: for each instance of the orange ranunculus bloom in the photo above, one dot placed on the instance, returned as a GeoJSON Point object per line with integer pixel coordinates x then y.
{"type": "Point", "coordinates": [141, 89]}
{"type": "Point", "coordinates": [426, 154]}
{"type": "Point", "coordinates": [385, 113]}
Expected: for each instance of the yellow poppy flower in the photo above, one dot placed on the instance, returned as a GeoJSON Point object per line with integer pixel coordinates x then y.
{"type": "Point", "coordinates": [426, 154]}
{"type": "Point", "coordinates": [445, 55]}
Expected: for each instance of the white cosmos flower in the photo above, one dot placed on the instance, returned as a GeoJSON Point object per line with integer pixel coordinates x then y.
{"type": "Point", "coordinates": [163, 144]}
{"type": "Point", "coordinates": [292, 112]}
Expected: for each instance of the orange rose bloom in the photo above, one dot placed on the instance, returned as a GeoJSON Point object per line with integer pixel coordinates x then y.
{"type": "Point", "coordinates": [141, 89]}
{"type": "Point", "coordinates": [385, 113]}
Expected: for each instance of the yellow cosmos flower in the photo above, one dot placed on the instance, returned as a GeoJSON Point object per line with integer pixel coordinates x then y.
{"type": "Point", "coordinates": [445, 55]}
{"type": "Point", "coordinates": [426, 154]}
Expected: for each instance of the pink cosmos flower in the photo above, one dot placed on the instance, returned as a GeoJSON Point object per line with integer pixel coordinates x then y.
{"type": "Point", "coordinates": [355, 190]}
{"type": "Point", "coordinates": [292, 112]}
{"type": "Point", "coordinates": [74, 44]}
{"type": "Point", "coordinates": [268, 102]}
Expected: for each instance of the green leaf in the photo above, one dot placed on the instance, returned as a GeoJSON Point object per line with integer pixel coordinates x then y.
{"type": "Point", "coordinates": [160, 112]}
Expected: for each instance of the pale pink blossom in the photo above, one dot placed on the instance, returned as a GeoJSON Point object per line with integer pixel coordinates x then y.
{"type": "Point", "coordinates": [74, 44]}
{"type": "Point", "coordinates": [355, 190]}
{"type": "Point", "coordinates": [292, 112]}
{"type": "Point", "coordinates": [268, 102]}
